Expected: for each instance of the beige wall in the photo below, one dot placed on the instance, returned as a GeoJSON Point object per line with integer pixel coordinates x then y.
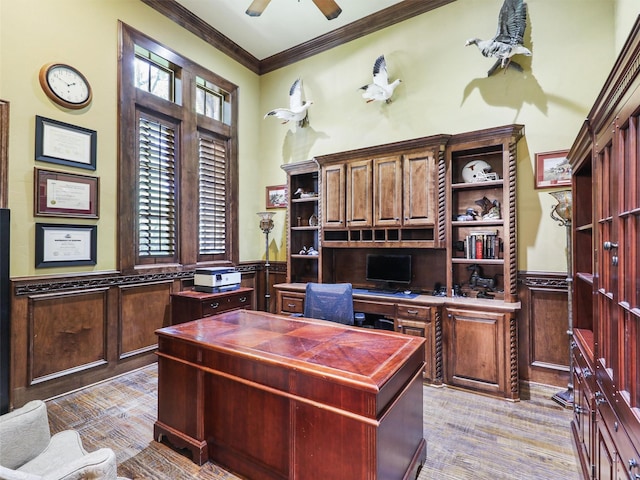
{"type": "Point", "coordinates": [444, 90]}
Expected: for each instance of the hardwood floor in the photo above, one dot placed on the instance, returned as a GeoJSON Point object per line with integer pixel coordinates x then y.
{"type": "Point", "coordinates": [469, 436]}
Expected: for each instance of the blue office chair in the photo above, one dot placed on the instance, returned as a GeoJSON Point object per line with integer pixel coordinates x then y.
{"type": "Point", "coordinates": [329, 301]}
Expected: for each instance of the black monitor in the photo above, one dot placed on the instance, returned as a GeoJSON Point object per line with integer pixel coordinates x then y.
{"type": "Point", "coordinates": [388, 269]}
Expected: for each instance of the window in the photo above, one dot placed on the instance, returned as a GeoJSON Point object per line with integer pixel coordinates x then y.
{"type": "Point", "coordinates": [178, 165]}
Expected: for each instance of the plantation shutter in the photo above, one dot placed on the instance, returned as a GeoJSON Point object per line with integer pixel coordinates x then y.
{"type": "Point", "coordinates": [212, 195]}
{"type": "Point", "coordinates": [156, 187]}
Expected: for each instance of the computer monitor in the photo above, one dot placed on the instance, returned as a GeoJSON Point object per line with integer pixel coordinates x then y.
{"type": "Point", "coordinates": [388, 269]}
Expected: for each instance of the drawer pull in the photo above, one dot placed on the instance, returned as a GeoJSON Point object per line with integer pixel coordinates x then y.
{"type": "Point", "coordinates": [291, 305]}
{"type": "Point", "coordinates": [214, 305]}
{"type": "Point", "coordinates": [242, 299]}
{"type": "Point", "coordinates": [412, 312]}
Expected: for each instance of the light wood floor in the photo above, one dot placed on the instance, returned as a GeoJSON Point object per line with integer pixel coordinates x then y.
{"type": "Point", "coordinates": [469, 436]}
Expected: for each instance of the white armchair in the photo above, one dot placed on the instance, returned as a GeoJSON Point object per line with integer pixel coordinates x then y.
{"type": "Point", "coordinates": [29, 452]}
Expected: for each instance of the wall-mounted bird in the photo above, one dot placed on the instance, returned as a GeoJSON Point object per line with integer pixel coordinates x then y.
{"type": "Point", "coordinates": [508, 40]}
{"type": "Point", "coordinates": [298, 108]}
{"type": "Point", "coordinates": [380, 89]}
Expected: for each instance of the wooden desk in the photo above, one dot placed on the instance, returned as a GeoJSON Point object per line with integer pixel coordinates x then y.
{"type": "Point", "coordinates": [274, 397]}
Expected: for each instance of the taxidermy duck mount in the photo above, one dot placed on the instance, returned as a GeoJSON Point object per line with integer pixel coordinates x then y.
{"type": "Point", "coordinates": [298, 108]}
{"type": "Point", "coordinates": [508, 40]}
{"type": "Point", "coordinates": [380, 90]}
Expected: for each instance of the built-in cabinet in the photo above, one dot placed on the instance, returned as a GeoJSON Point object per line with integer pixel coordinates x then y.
{"type": "Point", "coordinates": [605, 160]}
{"type": "Point", "coordinates": [409, 198]}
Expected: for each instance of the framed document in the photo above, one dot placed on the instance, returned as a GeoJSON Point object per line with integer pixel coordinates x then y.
{"type": "Point", "coordinates": [65, 144]}
{"type": "Point", "coordinates": [65, 245]}
{"type": "Point", "coordinates": [65, 194]}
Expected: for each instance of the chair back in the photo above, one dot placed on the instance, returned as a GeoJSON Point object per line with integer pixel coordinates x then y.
{"type": "Point", "coordinates": [329, 301]}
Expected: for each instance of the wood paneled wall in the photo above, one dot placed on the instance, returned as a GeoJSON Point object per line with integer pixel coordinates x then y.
{"type": "Point", "coordinates": [542, 323]}
{"type": "Point", "coordinates": [68, 332]}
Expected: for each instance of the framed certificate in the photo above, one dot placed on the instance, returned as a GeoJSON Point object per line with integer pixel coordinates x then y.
{"type": "Point", "coordinates": [65, 144]}
{"type": "Point", "coordinates": [65, 245]}
{"type": "Point", "coordinates": [62, 194]}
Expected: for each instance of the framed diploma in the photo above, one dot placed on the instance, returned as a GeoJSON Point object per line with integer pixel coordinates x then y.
{"type": "Point", "coordinates": [65, 245]}
{"type": "Point", "coordinates": [62, 194]}
{"type": "Point", "coordinates": [65, 144]}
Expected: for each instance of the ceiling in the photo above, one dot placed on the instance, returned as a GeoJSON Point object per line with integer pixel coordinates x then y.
{"type": "Point", "coordinates": [282, 25]}
{"type": "Point", "coordinates": [288, 30]}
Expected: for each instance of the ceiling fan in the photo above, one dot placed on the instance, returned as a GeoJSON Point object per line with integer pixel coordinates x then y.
{"type": "Point", "coordinates": [329, 8]}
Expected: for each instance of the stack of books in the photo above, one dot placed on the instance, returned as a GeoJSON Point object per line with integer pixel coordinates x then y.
{"type": "Point", "coordinates": [483, 244]}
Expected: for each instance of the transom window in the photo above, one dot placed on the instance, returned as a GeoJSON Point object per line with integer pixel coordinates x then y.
{"type": "Point", "coordinates": [178, 168]}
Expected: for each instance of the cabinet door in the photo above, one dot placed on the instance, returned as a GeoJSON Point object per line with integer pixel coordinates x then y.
{"type": "Point", "coordinates": [420, 182]}
{"type": "Point", "coordinates": [387, 191]}
{"type": "Point", "coordinates": [479, 350]}
{"type": "Point", "coordinates": [359, 194]}
{"type": "Point", "coordinates": [333, 196]}
{"type": "Point", "coordinates": [412, 320]}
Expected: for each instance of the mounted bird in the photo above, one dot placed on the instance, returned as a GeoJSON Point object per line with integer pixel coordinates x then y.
{"type": "Point", "coordinates": [380, 90]}
{"type": "Point", "coordinates": [298, 110]}
{"type": "Point", "coordinates": [509, 38]}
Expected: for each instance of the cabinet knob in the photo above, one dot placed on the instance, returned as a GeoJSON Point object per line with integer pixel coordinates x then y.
{"type": "Point", "coordinates": [609, 245]}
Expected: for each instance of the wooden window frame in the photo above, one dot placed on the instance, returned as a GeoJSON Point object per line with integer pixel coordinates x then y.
{"type": "Point", "coordinates": [131, 100]}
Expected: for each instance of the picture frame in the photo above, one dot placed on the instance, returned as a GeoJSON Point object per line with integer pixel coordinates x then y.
{"type": "Point", "coordinates": [59, 245]}
{"type": "Point", "coordinates": [552, 169]}
{"type": "Point", "coordinates": [65, 144]}
{"type": "Point", "coordinates": [276, 196]}
{"type": "Point", "coordinates": [60, 194]}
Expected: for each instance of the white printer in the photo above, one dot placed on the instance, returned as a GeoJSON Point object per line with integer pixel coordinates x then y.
{"type": "Point", "coordinates": [216, 279]}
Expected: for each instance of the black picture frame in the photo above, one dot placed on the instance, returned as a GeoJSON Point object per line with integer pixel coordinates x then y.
{"type": "Point", "coordinates": [65, 144]}
{"type": "Point", "coordinates": [62, 245]}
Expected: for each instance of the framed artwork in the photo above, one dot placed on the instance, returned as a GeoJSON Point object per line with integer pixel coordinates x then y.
{"type": "Point", "coordinates": [553, 169]}
{"type": "Point", "coordinates": [60, 194]}
{"type": "Point", "coordinates": [65, 144]}
{"type": "Point", "coordinates": [276, 196]}
{"type": "Point", "coordinates": [60, 245]}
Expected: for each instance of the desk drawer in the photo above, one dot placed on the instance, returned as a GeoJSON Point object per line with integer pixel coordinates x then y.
{"type": "Point", "coordinates": [215, 306]}
{"type": "Point", "coordinates": [413, 312]}
{"type": "Point", "coordinates": [292, 304]}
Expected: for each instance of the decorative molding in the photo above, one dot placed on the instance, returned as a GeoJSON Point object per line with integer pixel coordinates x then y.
{"type": "Point", "coordinates": [543, 280]}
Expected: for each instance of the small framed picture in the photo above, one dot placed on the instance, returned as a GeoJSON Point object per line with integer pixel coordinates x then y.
{"type": "Point", "coordinates": [59, 194]}
{"type": "Point", "coordinates": [276, 196]}
{"type": "Point", "coordinates": [59, 245]}
{"type": "Point", "coordinates": [553, 169]}
{"type": "Point", "coordinates": [65, 144]}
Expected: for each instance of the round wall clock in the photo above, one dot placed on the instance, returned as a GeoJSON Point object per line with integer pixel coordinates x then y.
{"type": "Point", "coordinates": [65, 85]}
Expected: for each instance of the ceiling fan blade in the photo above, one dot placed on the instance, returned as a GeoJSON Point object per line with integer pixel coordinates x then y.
{"type": "Point", "coordinates": [257, 7]}
{"type": "Point", "coordinates": [329, 8]}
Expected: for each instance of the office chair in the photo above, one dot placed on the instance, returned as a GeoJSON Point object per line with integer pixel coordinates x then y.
{"type": "Point", "coordinates": [329, 301]}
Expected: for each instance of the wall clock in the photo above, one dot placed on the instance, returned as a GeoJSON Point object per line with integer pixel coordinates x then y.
{"type": "Point", "coordinates": [65, 85]}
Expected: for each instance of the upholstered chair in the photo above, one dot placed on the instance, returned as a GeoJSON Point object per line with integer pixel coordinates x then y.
{"type": "Point", "coordinates": [29, 452]}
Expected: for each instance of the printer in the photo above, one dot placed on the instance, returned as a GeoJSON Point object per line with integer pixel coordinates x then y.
{"type": "Point", "coordinates": [216, 279]}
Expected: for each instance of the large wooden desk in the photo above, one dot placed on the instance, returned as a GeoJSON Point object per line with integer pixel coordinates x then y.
{"type": "Point", "coordinates": [274, 397]}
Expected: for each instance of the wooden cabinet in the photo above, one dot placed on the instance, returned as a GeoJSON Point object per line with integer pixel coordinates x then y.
{"type": "Point", "coordinates": [605, 162]}
{"type": "Point", "coordinates": [481, 351]}
{"type": "Point", "coordinates": [333, 196]}
{"type": "Point", "coordinates": [421, 194]}
{"type": "Point", "coordinates": [387, 196]}
{"type": "Point", "coordinates": [304, 219]}
{"type": "Point", "coordinates": [421, 322]}
{"type": "Point", "coordinates": [481, 196]}
{"type": "Point", "coordinates": [359, 193]}
{"type": "Point", "coordinates": [190, 305]}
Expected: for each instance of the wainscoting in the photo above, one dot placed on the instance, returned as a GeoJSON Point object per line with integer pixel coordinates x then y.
{"type": "Point", "coordinates": [71, 331]}
{"type": "Point", "coordinates": [542, 323]}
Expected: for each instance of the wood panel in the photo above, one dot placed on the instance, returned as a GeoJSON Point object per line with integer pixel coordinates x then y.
{"type": "Point", "coordinates": [67, 332]}
{"type": "Point", "coordinates": [143, 309]}
{"type": "Point", "coordinates": [543, 323]}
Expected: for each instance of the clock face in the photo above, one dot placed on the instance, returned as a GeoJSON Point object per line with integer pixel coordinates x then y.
{"type": "Point", "coordinates": [65, 85]}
